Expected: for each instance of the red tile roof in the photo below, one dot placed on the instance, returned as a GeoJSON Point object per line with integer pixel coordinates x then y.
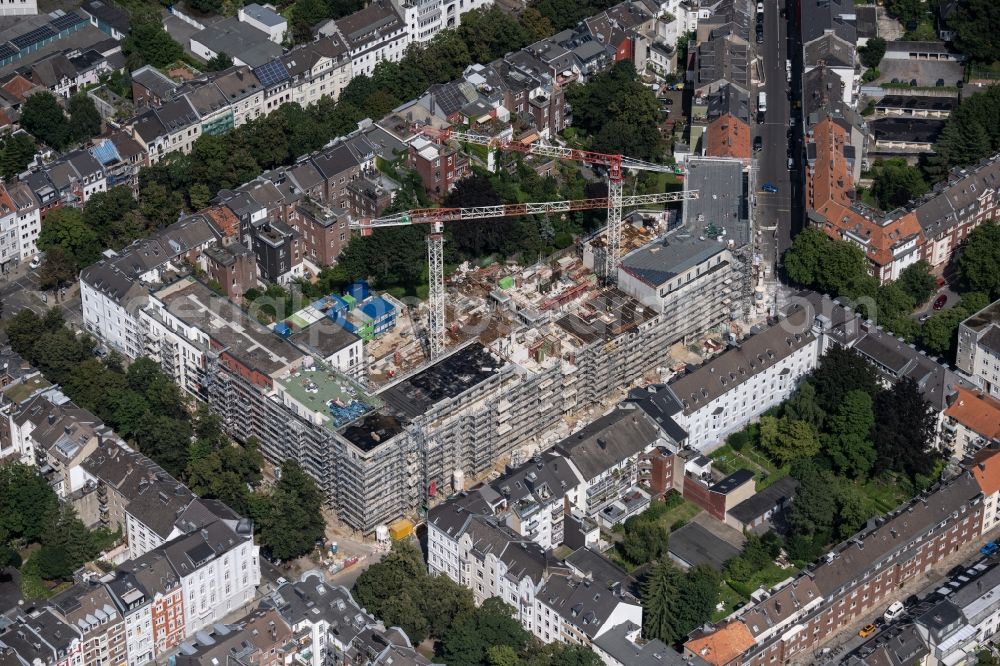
{"type": "Point", "coordinates": [723, 645]}
{"type": "Point", "coordinates": [728, 136]}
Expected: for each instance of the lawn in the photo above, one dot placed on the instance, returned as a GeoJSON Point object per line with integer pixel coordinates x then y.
{"type": "Point", "coordinates": [679, 514]}
{"type": "Point", "coordinates": [730, 599]}
{"type": "Point", "coordinates": [886, 495]}
{"type": "Point", "coordinates": [727, 461]}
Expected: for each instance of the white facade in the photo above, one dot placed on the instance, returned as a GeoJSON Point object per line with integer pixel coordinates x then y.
{"type": "Point", "coordinates": [110, 318]}
{"type": "Point", "coordinates": [18, 7]}
{"type": "Point", "coordinates": [139, 635]}
{"type": "Point", "coordinates": [140, 538]}
{"type": "Point", "coordinates": [20, 224]}
{"type": "Point", "coordinates": [551, 626]}
{"type": "Point", "coordinates": [266, 20]}
{"type": "Point", "coordinates": [327, 78]}
{"type": "Point", "coordinates": [426, 18]}
{"type": "Point", "coordinates": [221, 586]}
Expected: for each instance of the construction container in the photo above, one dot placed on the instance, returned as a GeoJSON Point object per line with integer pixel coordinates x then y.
{"type": "Point", "coordinates": [350, 300]}
{"type": "Point", "coordinates": [506, 283]}
{"type": "Point", "coordinates": [401, 529]}
{"type": "Point", "coordinates": [282, 329]}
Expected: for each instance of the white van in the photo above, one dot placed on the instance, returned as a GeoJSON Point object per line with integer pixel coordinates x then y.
{"type": "Point", "coordinates": [762, 102]}
{"type": "Point", "coordinates": [894, 610]}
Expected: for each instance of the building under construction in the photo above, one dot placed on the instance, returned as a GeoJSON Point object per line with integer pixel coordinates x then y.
{"type": "Point", "coordinates": [549, 343]}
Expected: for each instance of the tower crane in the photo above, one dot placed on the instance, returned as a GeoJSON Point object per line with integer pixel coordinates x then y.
{"type": "Point", "coordinates": [436, 217]}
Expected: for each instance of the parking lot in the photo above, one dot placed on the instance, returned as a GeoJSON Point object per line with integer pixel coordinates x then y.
{"type": "Point", "coordinates": [20, 289]}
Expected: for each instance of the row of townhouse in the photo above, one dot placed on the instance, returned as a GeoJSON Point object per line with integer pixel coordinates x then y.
{"type": "Point", "coordinates": [836, 141]}
{"type": "Point", "coordinates": [858, 576]}
{"type": "Point", "coordinates": [308, 622]}
{"type": "Point", "coordinates": [186, 562]}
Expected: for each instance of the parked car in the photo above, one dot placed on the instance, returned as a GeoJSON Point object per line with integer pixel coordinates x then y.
{"type": "Point", "coordinates": [940, 301]}
{"type": "Point", "coordinates": [893, 612]}
{"type": "Point", "coordinates": [867, 630]}
{"type": "Point", "coordinates": [36, 261]}
{"type": "Point", "coordinates": [758, 143]}
{"type": "Point", "coordinates": [769, 188]}
{"type": "Point", "coordinates": [990, 548]}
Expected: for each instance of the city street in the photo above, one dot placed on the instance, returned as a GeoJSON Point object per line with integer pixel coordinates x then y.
{"type": "Point", "coordinates": [20, 289]}
{"type": "Point", "coordinates": [776, 217]}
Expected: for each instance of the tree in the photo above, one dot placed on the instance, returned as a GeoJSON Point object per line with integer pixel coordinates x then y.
{"type": "Point", "coordinates": [699, 596]}
{"type": "Point", "coordinates": [872, 52]}
{"type": "Point", "coordinates": [841, 371]}
{"type": "Point", "coordinates": [917, 281]}
{"type": "Point", "coordinates": [847, 442]}
{"type": "Point", "coordinates": [305, 15]}
{"type": "Point", "coordinates": [58, 270]}
{"type": "Point", "coordinates": [206, 7]}
{"type": "Point", "coordinates": [107, 213]}
{"type": "Point", "coordinates": [291, 518]}
{"type": "Point", "coordinates": [149, 43]}
{"type": "Point", "coordinates": [54, 563]}
{"type": "Point", "coordinates": [905, 431]}
{"type": "Point", "coordinates": [804, 406]}
{"type": "Point", "coordinates": [65, 229]}
{"type": "Point", "coordinates": [221, 61]}
{"type": "Point", "coordinates": [16, 152]}
{"type": "Point", "coordinates": [837, 268]}
{"type": "Point", "coordinates": [84, 119]}
{"type": "Point", "coordinates": [661, 603]}
{"type": "Point", "coordinates": [562, 654]}
{"type": "Point", "coordinates": [160, 205]}
{"type": "Point", "coordinates": [810, 515]}
{"type": "Point", "coordinates": [537, 25]}
{"type": "Point", "coordinates": [42, 116]}
{"type": "Point", "coordinates": [467, 642]}
{"type": "Point", "coordinates": [490, 32]}
{"type": "Point", "coordinates": [853, 511]}
{"type": "Point", "coordinates": [895, 183]}
{"type": "Point", "coordinates": [908, 12]}
{"type": "Point", "coordinates": [27, 503]}
{"type": "Point", "coordinates": [785, 440]}
{"type": "Point", "coordinates": [644, 541]}
{"type": "Point", "coordinates": [975, 23]}
{"type": "Point", "coordinates": [977, 264]}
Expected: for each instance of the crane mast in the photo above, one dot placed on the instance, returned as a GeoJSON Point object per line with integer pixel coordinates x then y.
{"type": "Point", "coordinates": [436, 217]}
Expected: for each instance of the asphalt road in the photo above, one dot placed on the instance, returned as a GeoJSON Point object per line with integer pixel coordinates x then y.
{"type": "Point", "coordinates": [20, 289]}
{"type": "Point", "coordinates": [775, 216]}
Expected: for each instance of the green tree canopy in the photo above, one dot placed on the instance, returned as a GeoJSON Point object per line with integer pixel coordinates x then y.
{"type": "Point", "coordinates": [848, 442]}
{"type": "Point", "coordinates": [84, 119]}
{"type": "Point", "coordinates": [975, 23]}
{"type": "Point", "coordinates": [469, 640]}
{"type": "Point", "coordinates": [905, 431]}
{"type": "Point", "coordinates": [872, 52]}
{"type": "Point", "coordinates": [895, 183]}
{"type": "Point", "coordinates": [219, 62]}
{"type": "Point", "coordinates": [977, 264]}
{"type": "Point", "coordinates": [290, 517]}
{"type": "Point", "coordinates": [785, 440]}
{"type": "Point", "coordinates": [65, 228]}
{"type": "Point", "coordinates": [16, 152]}
{"type": "Point", "coordinates": [644, 540]}
{"type": "Point", "coordinates": [42, 116]}
{"type": "Point", "coordinates": [917, 281]}
{"type": "Point", "coordinates": [661, 603]}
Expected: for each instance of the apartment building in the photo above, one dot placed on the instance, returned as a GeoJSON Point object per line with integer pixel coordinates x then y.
{"type": "Point", "coordinates": [91, 608]}
{"type": "Point", "coordinates": [38, 636]}
{"type": "Point", "coordinates": [20, 224]}
{"type": "Point", "coordinates": [851, 581]}
{"type": "Point", "coordinates": [134, 603]}
{"type": "Point", "coordinates": [971, 421]}
{"type": "Point", "coordinates": [372, 34]}
{"type": "Point", "coordinates": [113, 289]}
{"type": "Point", "coordinates": [830, 38]}
{"type": "Point", "coordinates": [979, 348]}
{"type": "Point", "coordinates": [422, 19]}
{"type": "Point", "coordinates": [154, 576]}
{"type": "Point", "coordinates": [439, 166]}
{"type": "Point", "coordinates": [697, 276]}
{"type": "Point", "coordinates": [258, 639]}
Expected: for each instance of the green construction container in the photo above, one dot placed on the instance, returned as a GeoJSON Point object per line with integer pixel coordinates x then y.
{"type": "Point", "coordinates": [350, 300]}
{"type": "Point", "coordinates": [506, 283]}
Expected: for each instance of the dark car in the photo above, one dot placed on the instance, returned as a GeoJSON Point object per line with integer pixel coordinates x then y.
{"type": "Point", "coordinates": [940, 301]}
{"type": "Point", "coordinates": [668, 101]}
{"type": "Point", "coordinates": [769, 188]}
{"type": "Point", "coordinates": [758, 143]}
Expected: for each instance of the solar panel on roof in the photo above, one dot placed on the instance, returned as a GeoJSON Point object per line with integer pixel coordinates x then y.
{"type": "Point", "coordinates": [33, 37]}
{"type": "Point", "coordinates": [66, 21]}
{"type": "Point", "coordinates": [7, 51]}
{"type": "Point", "coordinates": [271, 73]}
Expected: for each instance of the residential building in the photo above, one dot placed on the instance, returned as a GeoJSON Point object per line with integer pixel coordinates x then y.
{"type": "Point", "coordinates": [20, 224]}
{"type": "Point", "coordinates": [116, 287]}
{"type": "Point", "coordinates": [422, 19]}
{"type": "Point", "coordinates": [91, 608]}
{"type": "Point", "coordinates": [756, 512]}
{"type": "Point", "coordinates": [324, 231]}
{"type": "Point", "coordinates": [18, 7]}
{"type": "Point", "coordinates": [979, 348]}
{"type": "Point", "coordinates": [38, 636]}
{"type": "Point", "coordinates": [578, 611]}
{"type": "Point", "coordinates": [321, 68]}
{"type": "Point", "coordinates": [850, 582]}
{"type": "Point", "coordinates": [331, 342]}
{"type": "Point", "coordinates": [971, 421]}
{"type": "Point", "coordinates": [108, 17]}
{"type": "Point", "coordinates": [135, 603]}
{"type": "Point", "coordinates": [439, 166]}
{"type": "Point", "coordinates": [242, 41]}
{"type": "Point", "coordinates": [218, 566]}
{"type": "Point", "coordinates": [829, 37]}
{"type": "Point", "coordinates": [233, 267]}
{"type": "Point", "coordinates": [265, 19]}
{"type": "Point", "coordinates": [258, 639]}
{"type": "Point", "coordinates": [697, 275]}
{"type": "Point", "coordinates": [157, 579]}
{"type": "Point", "coordinates": [278, 251]}
{"type": "Point", "coordinates": [150, 87]}
{"type": "Point", "coordinates": [623, 645]}
{"type": "Point", "coordinates": [374, 34]}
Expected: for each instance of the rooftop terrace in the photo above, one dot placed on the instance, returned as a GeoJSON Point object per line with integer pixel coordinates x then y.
{"type": "Point", "coordinates": [335, 398]}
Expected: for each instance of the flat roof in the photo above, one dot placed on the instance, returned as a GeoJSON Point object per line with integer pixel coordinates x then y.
{"type": "Point", "coordinates": [323, 337]}
{"type": "Point", "coordinates": [324, 391]}
{"type": "Point", "coordinates": [228, 325]}
{"type": "Point", "coordinates": [443, 380]}
{"type": "Point", "coordinates": [722, 201]}
{"type": "Point", "coordinates": [693, 544]}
